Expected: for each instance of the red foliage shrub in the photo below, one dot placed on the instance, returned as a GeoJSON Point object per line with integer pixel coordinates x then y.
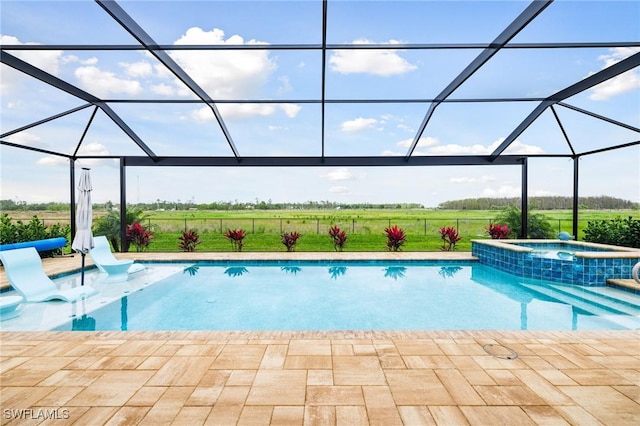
{"type": "Point", "coordinates": [289, 239]}
{"type": "Point", "coordinates": [236, 236]}
{"type": "Point", "coordinates": [449, 237]}
{"type": "Point", "coordinates": [338, 236]}
{"type": "Point", "coordinates": [395, 238]}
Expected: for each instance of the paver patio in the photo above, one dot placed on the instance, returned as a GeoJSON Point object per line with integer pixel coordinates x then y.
{"type": "Point", "coordinates": [316, 377]}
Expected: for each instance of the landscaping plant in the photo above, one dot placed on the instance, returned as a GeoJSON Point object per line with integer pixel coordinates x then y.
{"type": "Point", "coordinates": [617, 231]}
{"type": "Point", "coordinates": [139, 236]}
{"type": "Point", "coordinates": [109, 226]}
{"type": "Point", "coordinates": [290, 239]}
{"type": "Point", "coordinates": [498, 231]}
{"type": "Point", "coordinates": [33, 230]}
{"type": "Point", "coordinates": [537, 224]}
{"type": "Point", "coordinates": [189, 240]}
{"type": "Point", "coordinates": [395, 238]}
{"type": "Point", "coordinates": [338, 236]}
{"type": "Point", "coordinates": [449, 237]}
{"type": "Point", "coordinates": [236, 237]}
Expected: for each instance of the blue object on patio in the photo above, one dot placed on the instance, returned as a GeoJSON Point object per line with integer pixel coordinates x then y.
{"type": "Point", "coordinates": [40, 245]}
{"type": "Point", "coordinates": [565, 236]}
{"type": "Point", "coordinates": [116, 269]}
{"type": "Point", "coordinates": [26, 275]}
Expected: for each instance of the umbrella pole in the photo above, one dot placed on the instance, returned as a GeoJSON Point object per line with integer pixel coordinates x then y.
{"type": "Point", "coordinates": [82, 273]}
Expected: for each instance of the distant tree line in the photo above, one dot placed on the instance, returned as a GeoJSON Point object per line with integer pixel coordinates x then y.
{"type": "Point", "coordinates": [540, 203]}
{"type": "Point", "coordinates": [11, 205]}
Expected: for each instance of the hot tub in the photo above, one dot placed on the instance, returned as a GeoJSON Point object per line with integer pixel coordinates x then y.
{"type": "Point", "coordinates": [567, 262]}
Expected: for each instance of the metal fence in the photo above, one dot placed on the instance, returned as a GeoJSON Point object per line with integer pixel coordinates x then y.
{"type": "Point", "coordinates": [424, 226]}
{"type": "Point", "coordinates": [470, 227]}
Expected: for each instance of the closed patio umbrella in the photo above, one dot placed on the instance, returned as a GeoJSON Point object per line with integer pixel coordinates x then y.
{"type": "Point", "coordinates": [83, 240]}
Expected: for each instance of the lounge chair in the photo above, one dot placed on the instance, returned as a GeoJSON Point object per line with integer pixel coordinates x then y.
{"type": "Point", "coordinates": [116, 269]}
{"type": "Point", "coordinates": [26, 275]}
{"type": "Point", "coordinates": [10, 307]}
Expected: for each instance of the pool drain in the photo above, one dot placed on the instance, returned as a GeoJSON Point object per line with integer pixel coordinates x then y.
{"type": "Point", "coordinates": [500, 351]}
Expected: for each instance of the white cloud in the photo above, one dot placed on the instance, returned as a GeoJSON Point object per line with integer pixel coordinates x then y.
{"type": "Point", "coordinates": [245, 110]}
{"type": "Point", "coordinates": [68, 59]}
{"type": "Point", "coordinates": [620, 84]}
{"type": "Point", "coordinates": [339, 190]}
{"type": "Point", "coordinates": [234, 111]}
{"type": "Point", "coordinates": [47, 60]}
{"type": "Point", "coordinates": [358, 124]}
{"type": "Point", "coordinates": [422, 143]}
{"type": "Point", "coordinates": [103, 83]}
{"type": "Point", "coordinates": [340, 174]}
{"type": "Point", "coordinates": [290, 110]}
{"type": "Point", "coordinates": [502, 191]}
{"type": "Point", "coordinates": [623, 83]}
{"type": "Point", "coordinates": [93, 148]}
{"type": "Point", "coordinates": [52, 160]}
{"type": "Point", "coordinates": [27, 139]}
{"type": "Point", "coordinates": [377, 62]}
{"type": "Point", "coordinates": [542, 193]}
{"type": "Point", "coordinates": [481, 179]}
{"type": "Point", "coordinates": [477, 149]}
{"type": "Point", "coordinates": [285, 84]}
{"type": "Point", "coordinates": [137, 69]}
{"type": "Point", "coordinates": [420, 147]}
{"type": "Point", "coordinates": [429, 146]}
{"type": "Point", "coordinates": [163, 89]}
{"type": "Point", "coordinates": [224, 74]}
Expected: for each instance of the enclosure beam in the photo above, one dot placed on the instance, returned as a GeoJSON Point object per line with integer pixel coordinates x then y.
{"type": "Point", "coordinates": [331, 46]}
{"type": "Point", "coordinates": [601, 76]}
{"type": "Point", "coordinates": [529, 14]}
{"type": "Point", "coordinates": [576, 204]}
{"type": "Point", "coordinates": [132, 27]}
{"type": "Point", "coordinates": [600, 117]}
{"type": "Point", "coordinates": [72, 197]}
{"type": "Point", "coordinates": [380, 161]}
{"type": "Point", "coordinates": [524, 202]}
{"type": "Point", "coordinates": [60, 84]}
{"type": "Point", "coordinates": [123, 204]}
{"type": "Point", "coordinates": [46, 120]}
{"type": "Point", "coordinates": [324, 75]}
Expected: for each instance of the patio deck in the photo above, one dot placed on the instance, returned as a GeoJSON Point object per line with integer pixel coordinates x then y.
{"type": "Point", "coordinates": [349, 377]}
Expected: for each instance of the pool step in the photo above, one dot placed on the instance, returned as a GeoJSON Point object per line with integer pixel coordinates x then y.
{"type": "Point", "coordinates": [610, 298]}
{"type": "Point", "coordinates": [574, 295]}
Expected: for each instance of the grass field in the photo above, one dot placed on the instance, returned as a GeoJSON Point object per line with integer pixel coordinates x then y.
{"type": "Point", "coordinates": [364, 227]}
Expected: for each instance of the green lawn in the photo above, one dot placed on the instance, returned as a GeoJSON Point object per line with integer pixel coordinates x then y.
{"type": "Point", "coordinates": [168, 241]}
{"type": "Point", "coordinates": [365, 228]}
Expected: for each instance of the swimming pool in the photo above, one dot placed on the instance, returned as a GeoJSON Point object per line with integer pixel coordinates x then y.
{"type": "Point", "coordinates": [340, 296]}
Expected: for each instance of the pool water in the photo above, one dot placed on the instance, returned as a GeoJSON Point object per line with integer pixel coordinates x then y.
{"type": "Point", "coordinates": [360, 296]}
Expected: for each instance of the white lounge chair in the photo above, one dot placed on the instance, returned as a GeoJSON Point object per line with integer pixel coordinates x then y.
{"type": "Point", "coordinates": [26, 275]}
{"type": "Point", "coordinates": [116, 269]}
{"type": "Point", "coordinates": [10, 307]}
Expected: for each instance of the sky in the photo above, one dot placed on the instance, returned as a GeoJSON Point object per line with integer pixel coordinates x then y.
{"type": "Point", "coordinates": [291, 127]}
